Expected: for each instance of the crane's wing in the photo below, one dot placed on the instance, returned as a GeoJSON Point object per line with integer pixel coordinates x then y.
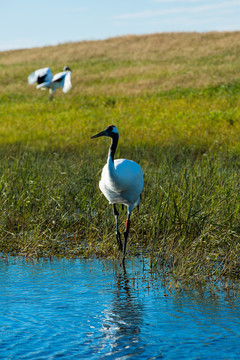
{"type": "Point", "coordinates": [67, 82]}
{"type": "Point", "coordinates": [41, 76]}
{"type": "Point", "coordinates": [64, 80]}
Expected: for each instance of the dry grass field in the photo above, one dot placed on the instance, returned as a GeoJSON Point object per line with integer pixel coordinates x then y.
{"type": "Point", "coordinates": [132, 64]}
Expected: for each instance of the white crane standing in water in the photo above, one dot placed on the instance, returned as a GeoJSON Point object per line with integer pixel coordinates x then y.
{"type": "Point", "coordinates": [121, 183]}
{"type": "Point", "coordinates": [45, 80]}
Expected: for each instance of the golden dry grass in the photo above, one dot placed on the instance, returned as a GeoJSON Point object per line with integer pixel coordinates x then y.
{"type": "Point", "coordinates": [132, 64]}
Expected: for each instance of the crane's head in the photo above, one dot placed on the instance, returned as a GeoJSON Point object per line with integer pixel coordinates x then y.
{"type": "Point", "coordinates": [67, 68]}
{"type": "Point", "coordinates": [110, 131]}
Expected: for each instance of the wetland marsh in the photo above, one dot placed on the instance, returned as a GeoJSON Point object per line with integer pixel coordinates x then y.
{"type": "Point", "coordinates": [176, 105]}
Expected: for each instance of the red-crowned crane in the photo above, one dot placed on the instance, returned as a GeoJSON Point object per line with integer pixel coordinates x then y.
{"type": "Point", "coordinates": [45, 80]}
{"type": "Point", "coordinates": [121, 183]}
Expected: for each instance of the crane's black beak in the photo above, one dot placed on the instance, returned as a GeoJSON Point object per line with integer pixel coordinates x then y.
{"type": "Point", "coordinates": [102, 133]}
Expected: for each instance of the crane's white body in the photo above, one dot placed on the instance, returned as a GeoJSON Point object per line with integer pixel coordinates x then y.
{"type": "Point", "coordinates": [45, 80]}
{"type": "Point", "coordinates": [63, 80]}
{"type": "Point", "coordinates": [122, 182]}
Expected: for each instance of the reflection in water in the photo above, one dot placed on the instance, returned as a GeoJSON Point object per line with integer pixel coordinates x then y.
{"type": "Point", "coordinates": [81, 309]}
{"type": "Point", "coordinates": [122, 326]}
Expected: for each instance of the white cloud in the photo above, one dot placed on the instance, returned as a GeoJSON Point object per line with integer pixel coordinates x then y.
{"type": "Point", "coordinates": [175, 1]}
{"type": "Point", "coordinates": [194, 23]}
{"type": "Point", "coordinates": [181, 10]}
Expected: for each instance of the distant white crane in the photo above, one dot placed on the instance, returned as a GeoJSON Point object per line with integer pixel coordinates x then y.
{"type": "Point", "coordinates": [121, 183]}
{"type": "Point", "coordinates": [45, 80]}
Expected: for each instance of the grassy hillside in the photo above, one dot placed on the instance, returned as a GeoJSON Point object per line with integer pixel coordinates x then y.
{"type": "Point", "coordinates": [175, 100]}
{"type": "Point", "coordinates": [132, 64]}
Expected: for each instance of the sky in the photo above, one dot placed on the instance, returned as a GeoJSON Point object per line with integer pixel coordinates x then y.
{"type": "Point", "coordinates": [34, 23]}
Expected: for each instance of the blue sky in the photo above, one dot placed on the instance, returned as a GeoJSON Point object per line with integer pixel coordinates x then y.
{"type": "Point", "coordinates": [30, 23]}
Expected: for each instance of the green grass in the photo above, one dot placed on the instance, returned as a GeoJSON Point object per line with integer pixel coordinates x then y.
{"type": "Point", "coordinates": [185, 138]}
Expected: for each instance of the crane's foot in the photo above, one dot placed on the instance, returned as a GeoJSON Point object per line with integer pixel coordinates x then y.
{"type": "Point", "coordinates": [126, 232]}
{"type": "Point", "coordinates": [122, 263]}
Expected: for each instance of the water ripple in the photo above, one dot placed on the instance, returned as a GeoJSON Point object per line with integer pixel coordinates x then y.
{"type": "Point", "coordinates": [80, 309]}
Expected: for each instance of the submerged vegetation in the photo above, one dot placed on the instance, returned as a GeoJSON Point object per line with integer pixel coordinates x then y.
{"type": "Point", "coordinates": [175, 99]}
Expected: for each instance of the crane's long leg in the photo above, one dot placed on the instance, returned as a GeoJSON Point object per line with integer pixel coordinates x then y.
{"type": "Point", "coordinates": [51, 93]}
{"type": "Point", "coordinates": [118, 235]}
{"type": "Point", "coordinates": [126, 232]}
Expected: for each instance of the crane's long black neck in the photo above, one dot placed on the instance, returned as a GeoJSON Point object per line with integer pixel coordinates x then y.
{"type": "Point", "coordinates": [113, 146]}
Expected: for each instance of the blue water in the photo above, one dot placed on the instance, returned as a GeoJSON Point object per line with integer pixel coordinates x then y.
{"type": "Point", "coordinates": [81, 309]}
